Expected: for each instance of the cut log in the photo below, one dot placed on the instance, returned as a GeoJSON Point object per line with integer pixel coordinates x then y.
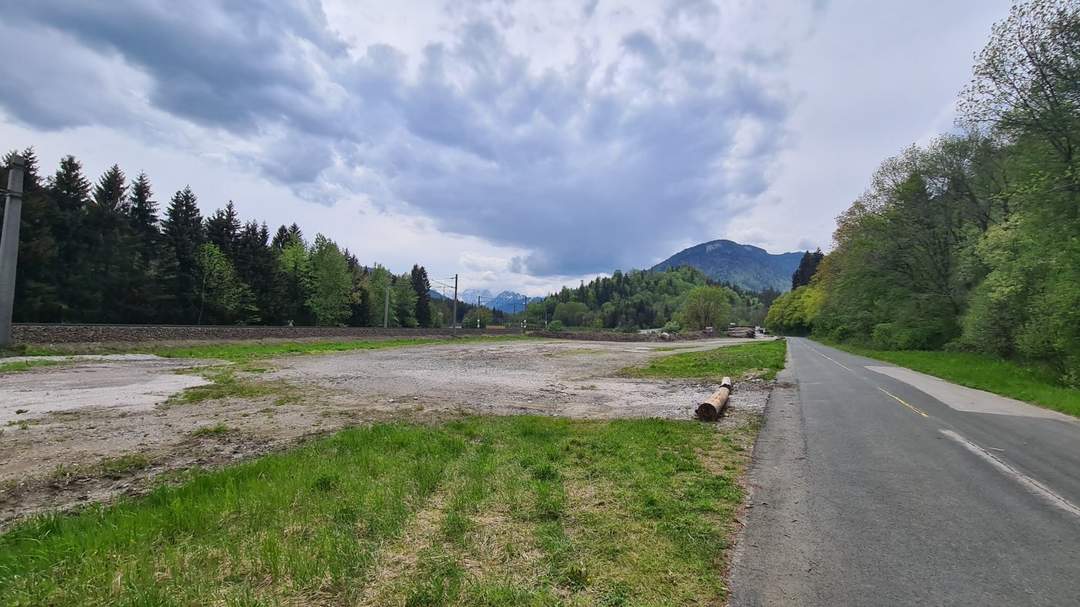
{"type": "Point", "coordinates": [714, 407]}
{"type": "Point", "coordinates": [748, 332]}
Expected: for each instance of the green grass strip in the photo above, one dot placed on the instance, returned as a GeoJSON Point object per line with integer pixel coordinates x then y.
{"type": "Point", "coordinates": [254, 350]}
{"type": "Point", "coordinates": [765, 358]}
{"type": "Point", "coordinates": [26, 365]}
{"type": "Point", "coordinates": [1026, 382]}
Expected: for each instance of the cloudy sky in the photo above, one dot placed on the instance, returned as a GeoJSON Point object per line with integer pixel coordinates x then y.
{"type": "Point", "coordinates": [521, 144]}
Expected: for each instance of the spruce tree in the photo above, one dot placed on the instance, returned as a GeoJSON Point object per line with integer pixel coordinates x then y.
{"type": "Point", "coordinates": [256, 265]}
{"type": "Point", "coordinates": [36, 297]}
{"type": "Point", "coordinates": [422, 286]}
{"type": "Point", "coordinates": [111, 249]}
{"type": "Point", "coordinates": [183, 235]}
{"type": "Point", "coordinates": [281, 238]}
{"type": "Point", "coordinates": [75, 284]}
{"type": "Point", "coordinates": [223, 229]}
{"type": "Point", "coordinates": [146, 297]}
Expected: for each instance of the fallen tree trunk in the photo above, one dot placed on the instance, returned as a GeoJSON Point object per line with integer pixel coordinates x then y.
{"type": "Point", "coordinates": [714, 407]}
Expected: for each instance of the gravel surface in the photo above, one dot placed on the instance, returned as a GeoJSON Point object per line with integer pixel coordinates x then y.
{"type": "Point", "coordinates": [61, 422]}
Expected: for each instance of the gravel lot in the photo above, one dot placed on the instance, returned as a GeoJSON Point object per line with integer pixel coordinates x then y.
{"type": "Point", "coordinates": [61, 422]}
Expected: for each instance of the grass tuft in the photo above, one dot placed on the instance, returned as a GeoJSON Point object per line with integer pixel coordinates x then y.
{"type": "Point", "coordinates": [215, 430]}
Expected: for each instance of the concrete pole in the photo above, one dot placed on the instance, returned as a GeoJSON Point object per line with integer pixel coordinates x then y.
{"type": "Point", "coordinates": [453, 322]}
{"type": "Point", "coordinates": [386, 309]}
{"type": "Point", "coordinates": [9, 247]}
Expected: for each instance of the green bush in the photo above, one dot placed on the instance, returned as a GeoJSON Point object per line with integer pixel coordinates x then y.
{"type": "Point", "coordinates": [555, 325]}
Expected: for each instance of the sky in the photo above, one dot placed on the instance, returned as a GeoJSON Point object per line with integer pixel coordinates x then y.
{"type": "Point", "coordinates": [523, 145]}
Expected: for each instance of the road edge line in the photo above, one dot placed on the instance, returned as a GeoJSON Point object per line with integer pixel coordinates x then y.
{"type": "Point", "coordinates": [1032, 485]}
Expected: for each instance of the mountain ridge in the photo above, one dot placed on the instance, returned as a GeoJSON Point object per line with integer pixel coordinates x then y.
{"type": "Point", "coordinates": [742, 265]}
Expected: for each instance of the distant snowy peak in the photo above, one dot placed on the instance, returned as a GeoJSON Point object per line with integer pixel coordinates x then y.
{"type": "Point", "coordinates": [507, 301]}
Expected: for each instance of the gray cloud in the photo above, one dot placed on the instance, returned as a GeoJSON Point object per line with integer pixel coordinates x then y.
{"type": "Point", "coordinates": [590, 165]}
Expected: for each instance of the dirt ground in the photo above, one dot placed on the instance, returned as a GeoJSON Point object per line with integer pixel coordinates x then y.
{"type": "Point", "coordinates": [91, 428]}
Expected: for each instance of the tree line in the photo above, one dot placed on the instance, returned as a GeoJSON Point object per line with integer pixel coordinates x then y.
{"type": "Point", "coordinates": [104, 252]}
{"type": "Point", "coordinates": [641, 299]}
{"type": "Point", "coordinates": [973, 241]}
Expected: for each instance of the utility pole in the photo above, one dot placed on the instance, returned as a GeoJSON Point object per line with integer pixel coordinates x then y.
{"type": "Point", "coordinates": [9, 246]}
{"type": "Point", "coordinates": [477, 311]}
{"type": "Point", "coordinates": [453, 322]}
{"type": "Point", "coordinates": [386, 308]}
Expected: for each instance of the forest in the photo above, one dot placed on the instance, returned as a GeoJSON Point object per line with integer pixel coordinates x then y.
{"type": "Point", "coordinates": [105, 252]}
{"type": "Point", "coordinates": [641, 299]}
{"type": "Point", "coordinates": [971, 242]}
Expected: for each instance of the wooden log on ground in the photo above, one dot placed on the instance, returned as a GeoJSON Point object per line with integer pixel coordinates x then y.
{"type": "Point", "coordinates": [714, 407]}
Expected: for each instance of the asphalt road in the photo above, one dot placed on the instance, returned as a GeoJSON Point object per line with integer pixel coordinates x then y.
{"type": "Point", "coordinates": [867, 490]}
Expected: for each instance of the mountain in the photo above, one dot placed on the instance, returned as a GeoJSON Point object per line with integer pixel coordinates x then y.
{"type": "Point", "coordinates": [742, 265]}
{"type": "Point", "coordinates": [507, 301]}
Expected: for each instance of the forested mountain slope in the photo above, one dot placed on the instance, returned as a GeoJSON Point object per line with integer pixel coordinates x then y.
{"type": "Point", "coordinates": [742, 265]}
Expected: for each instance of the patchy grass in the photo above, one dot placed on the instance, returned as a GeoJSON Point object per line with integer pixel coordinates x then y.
{"type": "Point", "coordinates": [224, 383]}
{"type": "Point", "coordinates": [124, 464]}
{"type": "Point", "coordinates": [26, 365]}
{"type": "Point", "coordinates": [255, 350]}
{"type": "Point", "coordinates": [113, 467]}
{"type": "Point", "coordinates": [1030, 383]}
{"type": "Point", "coordinates": [488, 511]}
{"type": "Point", "coordinates": [764, 358]}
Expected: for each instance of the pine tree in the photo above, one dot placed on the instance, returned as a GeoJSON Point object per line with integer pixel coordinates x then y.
{"type": "Point", "coordinates": [422, 286]}
{"type": "Point", "coordinates": [296, 235]}
{"type": "Point", "coordinates": [281, 238]}
{"type": "Point", "coordinates": [256, 265]}
{"type": "Point", "coordinates": [808, 266]}
{"type": "Point", "coordinates": [147, 296]}
{"type": "Point", "coordinates": [183, 235]}
{"type": "Point", "coordinates": [111, 248]}
{"type": "Point", "coordinates": [143, 210]}
{"type": "Point", "coordinates": [75, 283]}
{"type": "Point", "coordinates": [38, 272]}
{"type": "Point", "coordinates": [222, 230]}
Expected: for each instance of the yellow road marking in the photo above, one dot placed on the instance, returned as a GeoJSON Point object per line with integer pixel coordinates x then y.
{"type": "Point", "coordinates": [902, 402]}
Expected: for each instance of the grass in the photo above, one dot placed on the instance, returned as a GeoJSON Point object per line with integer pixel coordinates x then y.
{"type": "Point", "coordinates": [224, 383]}
{"type": "Point", "coordinates": [1029, 383]}
{"type": "Point", "coordinates": [26, 365]}
{"type": "Point", "coordinates": [764, 359]}
{"type": "Point", "coordinates": [113, 467]}
{"type": "Point", "coordinates": [248, 351]}
{"type": "Point", "coordinates": [486, 511]}
{"type": "Point", "coordinates": [215, 430]}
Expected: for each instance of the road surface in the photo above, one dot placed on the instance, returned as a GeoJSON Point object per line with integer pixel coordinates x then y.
{"type": "Point", "coordinates": [874, 485]}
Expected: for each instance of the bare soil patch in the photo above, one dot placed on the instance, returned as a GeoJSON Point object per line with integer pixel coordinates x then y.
{"type": "Point", "coordinates": [88, 411]}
